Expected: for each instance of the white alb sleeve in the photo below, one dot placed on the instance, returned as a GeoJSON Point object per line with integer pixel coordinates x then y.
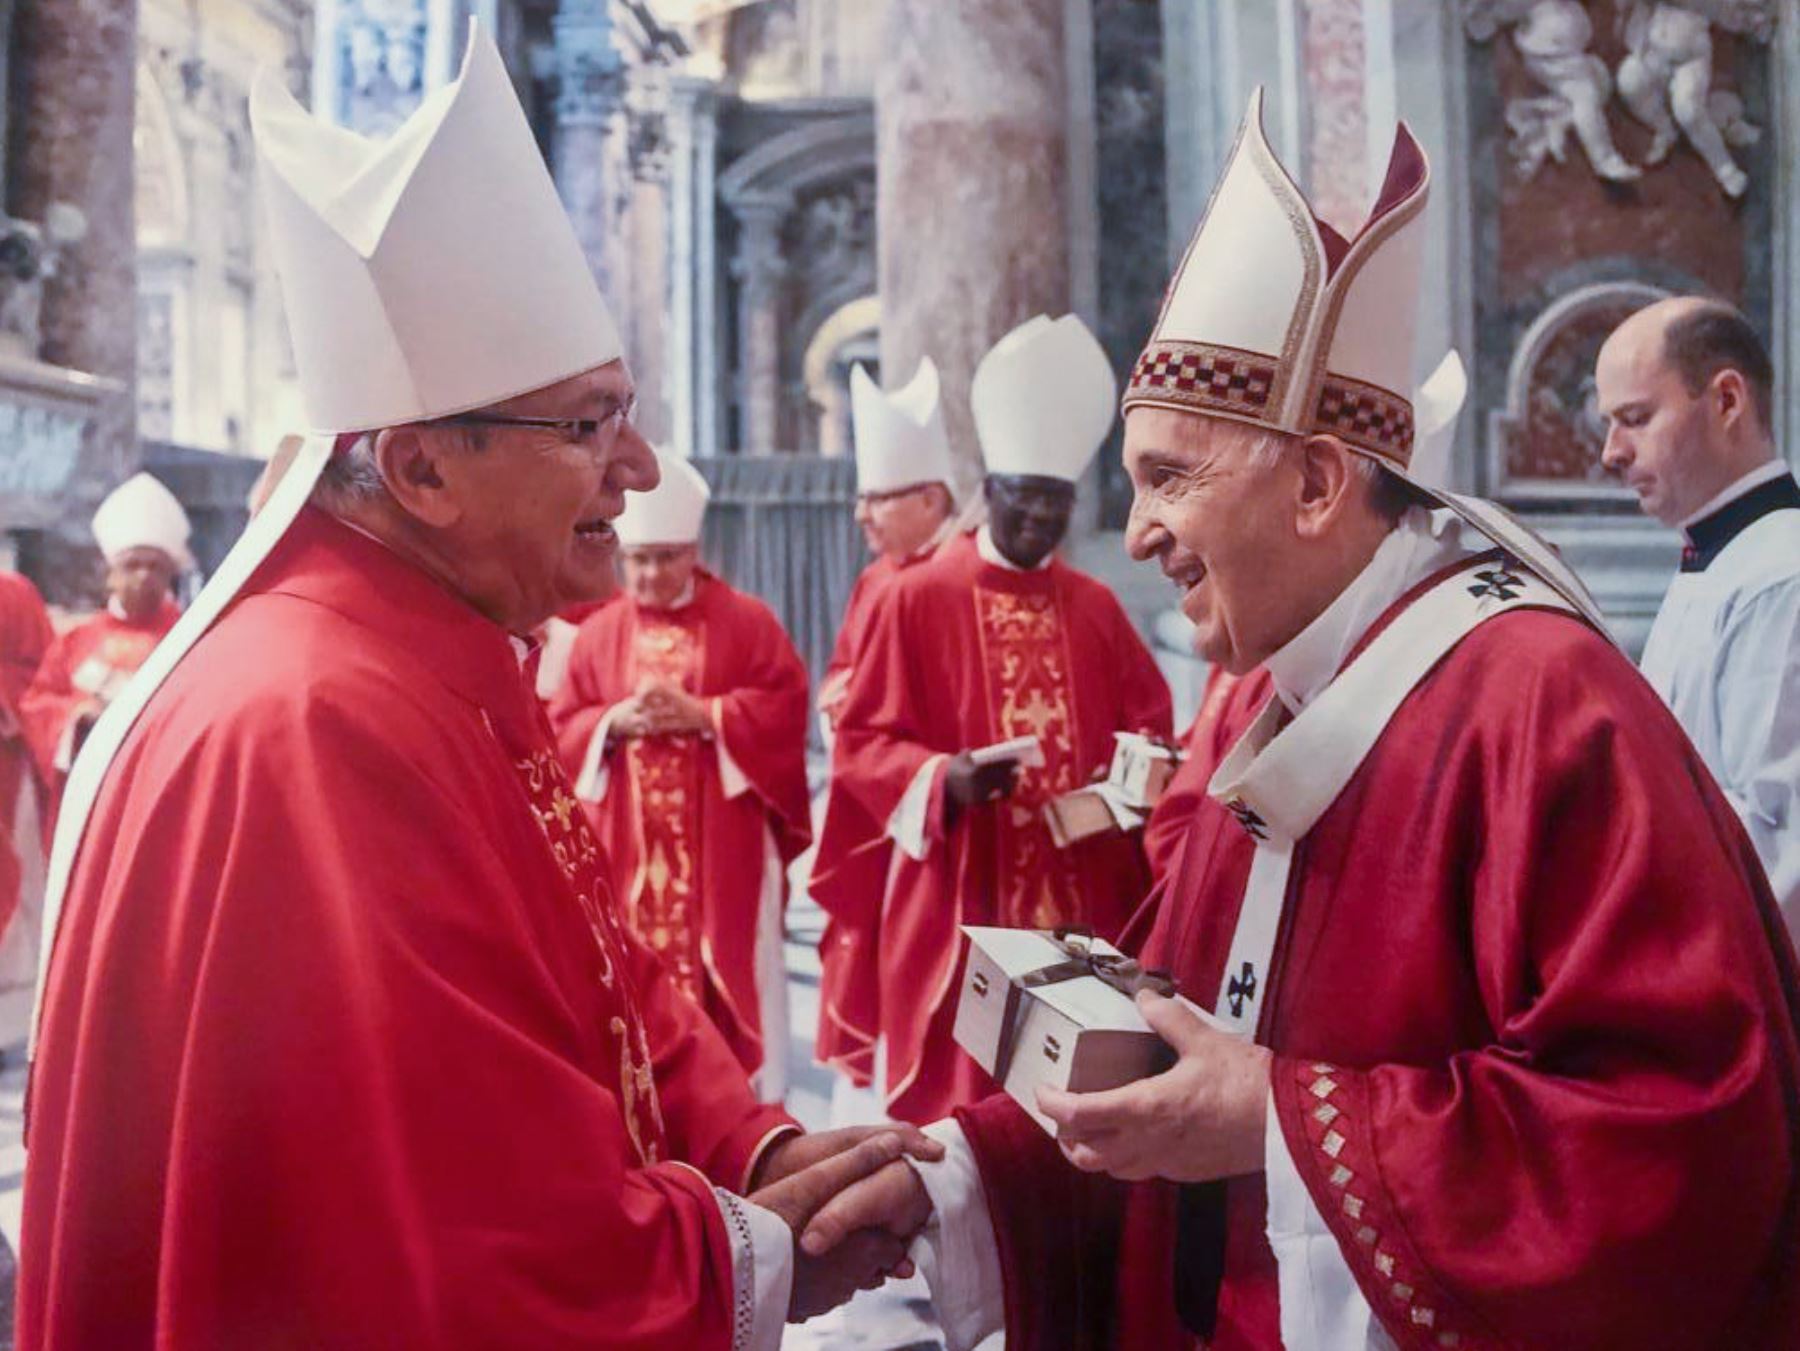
{"type": "Point", "coordinates": [956, 1252]}
{"type": "Point", "coordinates": [762, 1272]}
{"type": "Point", "coordinates": [1322, 1307]}
{"type": "Point", "coordinates": [907, 826]}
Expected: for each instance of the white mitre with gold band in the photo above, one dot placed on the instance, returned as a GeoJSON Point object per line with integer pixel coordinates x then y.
{"type": "Point", "coordinates": [1043, 399]}
{"type": "Point", "coordinates": [671, 512]}
{"type": "Point", "coordinates": [1276, 320]}
{"type": "Point", "coordinates": [428, 274]}
{"type": "Point", "coordinates": [900, 438]}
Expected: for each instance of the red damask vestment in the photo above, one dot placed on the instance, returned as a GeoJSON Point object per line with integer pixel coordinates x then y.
{"type": "Point", "coordinates": [25, 636]}
{"type": "Point", "coordinates": [688, 861]}
{"type": "Point", "coordinates": [962, 653]}
{"type": "Point", "coordinates": [343, 1044]}
{"type": "Point", "coordinates": [1533, 1017]}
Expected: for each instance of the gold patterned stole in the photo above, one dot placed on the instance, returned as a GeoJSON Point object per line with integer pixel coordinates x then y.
{"type": "Point", "coordinates": [1025, 658]}
{"type": "Point", "coordinates": [663, 901]}
{"type": "Point", "coordinates": [577, 853]}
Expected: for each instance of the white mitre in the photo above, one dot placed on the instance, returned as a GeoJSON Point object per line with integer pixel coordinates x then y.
{"type": "Point", "coordinates": [900, 440]}
{"type": "Point", "coordinates": [1043, 399]}
{"type": "Point", "coordinates": [142, 514]}
{"type": "Point", "coordinates": [671, 512]}
{"type": "Point", "coordinates": [1276, 320]}
{"type": "Point", "coordinates": [432, 272]}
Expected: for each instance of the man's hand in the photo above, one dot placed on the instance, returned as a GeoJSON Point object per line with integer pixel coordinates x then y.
{"type": "Point", "coordinates": [822, 1281]}
{"type": "Point", "coordinates": [1204, 1118]}
{"type": "Point", "coordinates": [796, 1153]}
{"type": "Point", "coordinates": [672, 710]}
{"type": "Point", "coordinates": [967, 784]}
{"type": "Point", "coordinates": [893, 1200]}
{"type": "Point", "coordinates": [630, 718]}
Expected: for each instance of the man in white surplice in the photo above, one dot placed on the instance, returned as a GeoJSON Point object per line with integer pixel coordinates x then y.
{"type": "Point", "coordinates": [1686, 386]}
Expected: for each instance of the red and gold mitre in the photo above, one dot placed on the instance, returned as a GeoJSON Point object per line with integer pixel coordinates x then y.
{"type": "Point", "coordinates": [1277, 320]}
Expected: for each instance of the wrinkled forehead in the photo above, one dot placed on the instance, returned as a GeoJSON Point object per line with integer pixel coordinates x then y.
{"type": "Point", "coordinates": [1186, 436]}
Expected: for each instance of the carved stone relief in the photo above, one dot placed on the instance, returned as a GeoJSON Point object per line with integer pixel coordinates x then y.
{"type": "Point", "coordinates": [381, 50]}
{"type": "Point", "coordinates": [1665, 81]}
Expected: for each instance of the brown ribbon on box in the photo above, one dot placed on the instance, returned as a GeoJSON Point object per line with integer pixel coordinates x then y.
{"type": "Point", "coordinates": [1125, 974]}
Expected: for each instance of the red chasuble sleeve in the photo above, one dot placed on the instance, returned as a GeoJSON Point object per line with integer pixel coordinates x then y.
{"type": "Point", "coordinates": [1223, 707]}
{"type": "Point", "coordinates": [1615, 1166]}
{"type": "Point", "coordinates": [761, 718]}
{"type": "Point", "coordinates": [586, 693]}
{"type": "Point", "coordinates": [329, 1056]}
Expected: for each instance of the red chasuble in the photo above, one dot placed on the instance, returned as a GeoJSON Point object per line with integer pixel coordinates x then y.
{"type": "Point", "coordinates": [342, 1043]}
{"type": "Point", "coordinates": [25, 635]}
{"type": "Point", "coordinates": [961, 654]}
{"type": "Point", "coordinates": [687, 862]}
{"type": "Point", "coordinates": [1227, 706]}
{"type": "Point", "coordinates": [1533, 1017]}
{"type": "Point", "coordinates": [850, 968]}
{"type": "Point", "coordinates": [90, 661]}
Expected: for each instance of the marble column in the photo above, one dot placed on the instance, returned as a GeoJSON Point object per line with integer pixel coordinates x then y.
{"type": "Point", "coordinates": [587, 157]}
{"type": "Point", "coordinates": [760, 271]}
{"type": "Point", "coordinates": [691, 103]}
{"type": "Point", "coordinates": [74, 84]}
{"type": "Point", "coordinates": [972, 168]}
{"type": "Point", "coordinates": [1337, 149]}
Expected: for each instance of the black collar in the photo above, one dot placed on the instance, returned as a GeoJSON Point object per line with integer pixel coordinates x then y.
{"type": "Point", "coordinates": [1707, 537]}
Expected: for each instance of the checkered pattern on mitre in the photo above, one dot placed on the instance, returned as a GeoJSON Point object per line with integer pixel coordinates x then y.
{"type": "Point", "coordinates": [1275, 319]}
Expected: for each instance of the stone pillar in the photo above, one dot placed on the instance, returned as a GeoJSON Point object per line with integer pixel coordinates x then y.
{"type": "Point", "coordinates": [760, 270]}
{"type": "Point", "coordinates": [705, 270]}
{"type": "Point", "coordinates": [690, 113]}
{"type": "Point", "coordinates": [1337, 149]}
{"type": "Point", "coordinates": [588, 111]}
{"type": "Point", "coordinates": [971, 185]}
{"type": "Point", "coordinates": [74, 74]}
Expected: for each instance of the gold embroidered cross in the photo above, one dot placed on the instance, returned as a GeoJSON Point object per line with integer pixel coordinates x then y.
{"type": "Point", "coordinates": [1037, 713]}
{"type": "Point", "coordinates": [564, 807]}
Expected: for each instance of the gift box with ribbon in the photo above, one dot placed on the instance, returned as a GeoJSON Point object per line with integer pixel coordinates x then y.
{"type": "Point", "coordinates": [1057, 1007]}
{"type": "Point", "coordinates": [1135, 781]}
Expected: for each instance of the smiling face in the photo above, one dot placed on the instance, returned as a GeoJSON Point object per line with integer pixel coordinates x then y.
{"type": "Point", "coordinates": [1659, 436]}
{"type": "Point", "coordinates": [1028, 515]}
{"type": "Point", "coordinates": [1224, 527]}
{"type": "Point", "coordinates": [520, 518]}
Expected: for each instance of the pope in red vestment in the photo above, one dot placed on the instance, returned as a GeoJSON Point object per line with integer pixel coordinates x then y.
{"type": "Point", "coordinates": [1503, 1047]}
{"type": "Point", "coordinates": [699, 824]}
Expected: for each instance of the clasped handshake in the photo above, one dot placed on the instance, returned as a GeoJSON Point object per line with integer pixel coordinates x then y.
{"type": "Point", "coordinates": [854, 1205]}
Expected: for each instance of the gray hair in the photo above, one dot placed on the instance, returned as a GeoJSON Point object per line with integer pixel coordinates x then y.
{"type": "Point", "coordinates": [1390, 496]}
{"type": "Point", "coordinates": [352, 477]}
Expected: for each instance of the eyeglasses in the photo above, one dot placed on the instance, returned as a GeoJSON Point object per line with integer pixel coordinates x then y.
{"type": "Point", "coordinates": [595, 435]}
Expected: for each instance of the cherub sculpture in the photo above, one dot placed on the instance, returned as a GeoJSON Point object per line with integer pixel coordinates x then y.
{"type": "Point", "coordinates": [1666, 81]}
{"type": "Point", "coordinates": [1554, 37]}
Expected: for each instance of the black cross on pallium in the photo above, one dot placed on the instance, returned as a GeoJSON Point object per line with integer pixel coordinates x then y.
{"type": "Point", "coordinates": [1240, 989]}
{"type": "Point", "coordinates": [1248, 819]}
{"type": "Point", "coordinates": [1498, 583]}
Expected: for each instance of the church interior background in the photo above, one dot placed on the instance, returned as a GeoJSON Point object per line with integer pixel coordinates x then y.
{"type": "Point", "coordinates": [771, 191]}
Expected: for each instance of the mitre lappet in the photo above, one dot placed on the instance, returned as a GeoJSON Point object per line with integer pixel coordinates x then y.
{"type": "Point", "coordinates": [1276, 320]}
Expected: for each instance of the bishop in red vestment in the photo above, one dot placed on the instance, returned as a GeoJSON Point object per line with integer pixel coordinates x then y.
{"type": "Point", "coordinates": [683, 723]}
{"type": "Point", "coordinates": [343, 1041]}
{"type": "Point", "coordinates": [143, 534]}
{"type": "Point", "coordinates": [904, 473]}
{"type": "Point", "coordinates": [1509, 1052]}
{"type": "Point", "coordinates": [992, 640]}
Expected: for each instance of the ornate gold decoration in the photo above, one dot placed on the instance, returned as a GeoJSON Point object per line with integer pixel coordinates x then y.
{"type": "Point", "coordinates": [1026, 658]}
